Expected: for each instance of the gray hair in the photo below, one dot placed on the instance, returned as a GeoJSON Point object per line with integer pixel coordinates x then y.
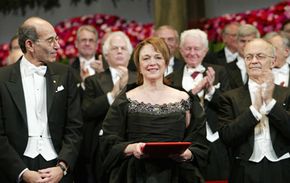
{"type": "Point", "coordinates": [247, 30]}
{"type": "Point", "coordinates": [107, 45]}
{"type": "Point", "coordinates": [196, 34]}
{"type": "Point", "coordinates": [285, 40]}
{"type": "Point", "coordinates": [26, 32]}
{"type": "Point", "coordinates": [88, 28]}
{"type": "Point", "coordinates": [166, 27]}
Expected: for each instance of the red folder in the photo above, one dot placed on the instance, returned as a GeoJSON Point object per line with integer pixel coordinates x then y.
{"type": "Point", "coordinates": [164, 149]}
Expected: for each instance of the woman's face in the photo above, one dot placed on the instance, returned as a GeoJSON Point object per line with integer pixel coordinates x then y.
{"type": "Point", "coordinates": [152, 63]}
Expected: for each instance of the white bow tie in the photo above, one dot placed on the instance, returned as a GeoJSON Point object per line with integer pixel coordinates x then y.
{"type": "Point", "coordinates": [40, 70]}
{"type": "Point", "coordinates": [199, 69]}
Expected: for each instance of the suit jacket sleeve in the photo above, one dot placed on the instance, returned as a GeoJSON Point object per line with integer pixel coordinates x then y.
{"type": "Point", "coordinates": [95, 103]}
{"type": "Point", "coordinates": [72, 132]}
{"type": "Point", "coordinates": [196, 133]}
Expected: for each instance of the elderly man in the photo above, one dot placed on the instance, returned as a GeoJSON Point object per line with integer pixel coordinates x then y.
{"type": "Point", "coordinates": [207, 81]}
{"type": "Point", "coordinates": [171, 38]}
{"type": "Point", "coordinates": [237, 69]}
{"type": "Point", "coordinates": [102, 89]}
{"type": "Point", "coordinates": [255, 121]}
{"type": "Point", "coordinates": [86, 63]}
{"type": "Point", "coordinates": [281, 68]}
{"type": "Point", "coordinates": [40, 119]}
{"type": "Point", "coordinates": [230, 52]}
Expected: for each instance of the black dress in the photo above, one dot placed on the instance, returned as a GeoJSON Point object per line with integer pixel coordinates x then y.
{"type": "Point", "coordinates": [129, 121]}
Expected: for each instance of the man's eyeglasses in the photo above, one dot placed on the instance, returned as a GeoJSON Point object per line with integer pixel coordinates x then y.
{"type": "Point", "coordinates": [258, 56]}
{"type": "Point", "coordinates": [51, 40]}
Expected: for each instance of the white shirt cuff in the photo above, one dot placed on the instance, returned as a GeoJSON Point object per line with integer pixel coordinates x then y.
{"type": "Point", "coordinates": [256, 113]}
{"type": "Point", "coordinates": [83, 85]}
{"type": "Point", "coordinates": [110, 98]}
{"type": "Point", "coordinates": [20, 175]}
{"type": "Point", "coordinates": [270, 106]}
{"type": "Point", "coordinates": [208, 96]}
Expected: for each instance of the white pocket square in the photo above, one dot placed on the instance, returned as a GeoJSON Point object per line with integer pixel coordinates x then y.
{"type": "Point", "coordinates": [59, 88]}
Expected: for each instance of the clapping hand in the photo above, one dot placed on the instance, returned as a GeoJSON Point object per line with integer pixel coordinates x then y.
{"type": "Point", "coordinates": [122, 82]}
{"type": "Point", "coordinates": [206, 83]}
{"type": "Point", "coordinates": [268, 86]}
{"type": "Point", "coordinates": [98, 64]}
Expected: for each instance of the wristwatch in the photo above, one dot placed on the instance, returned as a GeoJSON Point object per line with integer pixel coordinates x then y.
{"type": "Point", "coordinates": [63, 168]}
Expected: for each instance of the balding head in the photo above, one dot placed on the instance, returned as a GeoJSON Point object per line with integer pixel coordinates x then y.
{"type": "Point", "coordinates": [30, 30]}
{"type": "Point", "coordinates": [38, 41]}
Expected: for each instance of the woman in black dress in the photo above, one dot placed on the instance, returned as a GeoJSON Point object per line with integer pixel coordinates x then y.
{"type": "Point", "coordinates": [153, 112]}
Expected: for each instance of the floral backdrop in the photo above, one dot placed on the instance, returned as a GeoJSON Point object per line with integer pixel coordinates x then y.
{"type": "Point", "coordinates": [67, 29]}
{"type": "Point", "coordinates": [266, 20]}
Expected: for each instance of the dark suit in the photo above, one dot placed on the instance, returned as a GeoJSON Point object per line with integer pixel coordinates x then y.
{"type": "Point", "coordinates": [64, 118]}
{"type": "Point", "coordinates": [177, 64]}
{"type": "Point", "coordinates": [95, 106]}
{"type": "Point", "coordinates": [234, 73]}
{"type": "Point", "coordinates": [238, 123]}
{"type": "Point", "coordinates": [216, 148]}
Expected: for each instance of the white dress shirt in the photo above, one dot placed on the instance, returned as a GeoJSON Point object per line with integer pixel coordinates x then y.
{"type": "Point", "coordinates": [281, 75]}
{"type": "Point", "coordinates": [188, 83]}
{"type": "Point", "coordinates": [169, 68]}
{"type": "Point", "coordinates": [230, 56]}
{"type": "Point", "coordinates": [115, 78]}
{"type": "Point", "coordinates": [34, 86]}
{"type": "Point", "coordinates": [263, 146]}
{"type": "Point", "coordinates": [242, 66]}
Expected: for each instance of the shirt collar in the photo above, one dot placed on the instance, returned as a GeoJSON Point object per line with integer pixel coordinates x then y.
{"type": "Point", "coordinates": [200, 68]}
{"type": "Point", "coordinates": [27, 68]}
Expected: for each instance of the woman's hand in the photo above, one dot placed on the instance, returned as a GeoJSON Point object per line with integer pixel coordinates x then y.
{"type": "Point", "coordinates": [135, 149]}
{"type": "Point", "coordinates": [185, 156]}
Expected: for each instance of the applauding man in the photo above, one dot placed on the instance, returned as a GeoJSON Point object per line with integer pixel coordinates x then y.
{"type": "Point", "coordinates": [255, 121]}
{"type": "Point", "coordinates": [103, 88]}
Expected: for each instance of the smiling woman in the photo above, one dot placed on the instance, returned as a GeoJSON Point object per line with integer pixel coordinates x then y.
{"type": "Point", "coordinates": [148, 113]}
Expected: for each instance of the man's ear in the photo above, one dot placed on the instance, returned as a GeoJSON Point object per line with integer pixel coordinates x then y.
{"type": "Point", "coordinates": [273, 62]}
{"type": "Point", "coordinates": [29, 45]}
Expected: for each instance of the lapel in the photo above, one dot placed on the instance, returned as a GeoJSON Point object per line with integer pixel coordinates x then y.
{"type": "Point", "coordinates": [177, 77]}
{"type": "Point", "coordinates": [52, 82]}
{"type": "Point", "coordinates": [15, 87]}
{"type": "Point", "coordinates": [235, 73]}
{"type": "Point", "coordinates": [243, 103]}
{"type": "Point", "coordinates": [106, 81]}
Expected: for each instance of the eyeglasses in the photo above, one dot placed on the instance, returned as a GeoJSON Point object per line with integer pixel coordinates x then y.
{"type": "Point", "coordinates": [258, 56]}
{"type": "Point", "coordinates": [50, 40]}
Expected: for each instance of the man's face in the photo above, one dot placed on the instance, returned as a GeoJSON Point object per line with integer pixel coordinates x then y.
{"type": "Point", "coordinates": [118, 54]}
{"type": "Point", "coordinates": [86, 43]}
{"type": "Point", "coordinates": [14, 45]}
{"type": "Point", "coordinates": [242, 41]}
{"type": "Point", "coordinates": [281, 51]}
{"type": "Point", "coordinates": [170, 38]}
{"type": "Point", "coordinates": [193, 51]}
{"type": "Point", "coordinates": [45, 48]}
{"type": "Point", "coordinates": [259, 58]}
{"type": "Point", "coordinates": [286, 30]}
{"type": "Point", "coordinates": [230, 37]}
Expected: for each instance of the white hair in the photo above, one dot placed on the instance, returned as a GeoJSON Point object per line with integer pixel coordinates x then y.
{"type": "Point", "coordinates": [107, 44]}
{"type": "Point", "coordinates": [196, 34]}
